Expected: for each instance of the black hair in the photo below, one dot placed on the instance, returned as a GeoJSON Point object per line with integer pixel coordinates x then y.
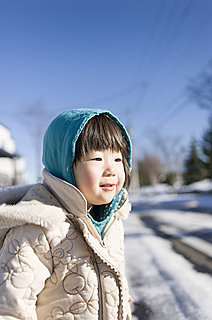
{"type": "Point", "coordinates": [102, 133]}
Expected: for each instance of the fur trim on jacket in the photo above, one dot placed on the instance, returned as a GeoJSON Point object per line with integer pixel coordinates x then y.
{"type": "Point", "coordinates": [54, 266]}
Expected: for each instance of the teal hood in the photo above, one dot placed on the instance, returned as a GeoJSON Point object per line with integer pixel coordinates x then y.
{"type": "Point", "coordinates": [59, 145]}
{"type": "Point", "coordinates": [61, 136]}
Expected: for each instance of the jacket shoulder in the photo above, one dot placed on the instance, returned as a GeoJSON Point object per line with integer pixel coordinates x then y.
{"type": "Point", "coordinates": [38, 207]}
{"type": "Point", "coordinates": [12, 195]}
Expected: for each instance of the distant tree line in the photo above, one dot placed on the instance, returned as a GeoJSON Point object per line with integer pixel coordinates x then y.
{"type": "Point", "coordinates": [170, 163]}
{"type": "Point", "coordinates": [186, 168]}
{"type": "Point", "coordinates": [164, 163]}
{"type": "Point", "coordinates": [198, 164]}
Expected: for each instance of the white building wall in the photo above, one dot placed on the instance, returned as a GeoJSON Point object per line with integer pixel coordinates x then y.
{"type": "Point", "coordinates": [20, 171]}
{"type": "Point", "coordinates": [6, 171]}
{"type": "Point", "coordinates": [6, 141]}
{"type": "Point", "coordinates": [12, 170]}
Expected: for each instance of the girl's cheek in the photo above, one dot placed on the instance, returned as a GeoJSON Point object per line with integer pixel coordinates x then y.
{"type": "Point", "coordinates": [90, 176]}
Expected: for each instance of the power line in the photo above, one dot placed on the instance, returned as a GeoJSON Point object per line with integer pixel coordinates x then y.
{"type": "Point", "coordinates": [174, 111]}
{"type": "Point", "coordinates": [153, 63]}
{"type": "Point", "coordinates": [149, 39]}
{"type": "Point", "coordinates": [172, 34]}
{"type": "Point", "coordinates": [196, 34]}
{"type": "Point", "coordinates": [115, 95]}
{"type": "Point", "coordinates": [178, 106]}
{"type": "Point", "coordinates": [149, 45]}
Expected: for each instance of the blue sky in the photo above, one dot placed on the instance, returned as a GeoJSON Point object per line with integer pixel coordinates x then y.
{"type": "Point", "coordinates": [121, 55]}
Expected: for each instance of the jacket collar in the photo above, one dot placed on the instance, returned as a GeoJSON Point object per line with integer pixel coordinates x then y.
{"type": "Point", "coordinates": [39, 207]}
{"type": "Point", "coordinates": [74, 201]}
{"type": "Point", "coordinates": [67, 194]}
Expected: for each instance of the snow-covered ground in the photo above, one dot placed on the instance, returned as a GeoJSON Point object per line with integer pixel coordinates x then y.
{"type": "Point", "coordinates": [201, 186]}
{"type": "Point", "coordinates": [193, 201]}
{"type": "Point", "coordinates": [196, 195]}
{"type": "Point", "coordinates": [164, 284]}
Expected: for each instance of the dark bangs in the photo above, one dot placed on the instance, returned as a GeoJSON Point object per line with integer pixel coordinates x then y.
{"type": "Point", "coordinates": [102, 133]}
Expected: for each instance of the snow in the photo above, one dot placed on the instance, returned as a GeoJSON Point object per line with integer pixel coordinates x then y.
{"type": "Point", "coordinates": [200, 186]}
{"type": "Point", "coordinates": [165, 281]}
{"type": "Point", "coordinates": [183, 225]}
{"type": "Point", "coordinates": [204, 185]}
{"type": "Point", "coordinates": [165, 285]}
{"type": "Point", "coordinates": [181, 221]}
{"type": "Point", "coordinates": [201, 245]}
{"type": "Point", "coordinates": [196, 195]}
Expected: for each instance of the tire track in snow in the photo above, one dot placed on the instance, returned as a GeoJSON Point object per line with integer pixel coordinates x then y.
{"type": "Point", "coordinates": [157, 291]}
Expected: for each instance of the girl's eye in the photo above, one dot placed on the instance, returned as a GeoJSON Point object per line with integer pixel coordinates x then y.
{"type": "Point", "coordinates": [118, 159]}
{"type": "Point", "coordinates": [98, 159]}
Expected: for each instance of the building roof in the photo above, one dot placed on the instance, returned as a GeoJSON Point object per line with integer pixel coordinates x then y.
{"type": "Point", "coordinates": [5, 154]}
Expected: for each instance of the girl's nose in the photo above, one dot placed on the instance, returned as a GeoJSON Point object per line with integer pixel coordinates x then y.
{"type": "Point", "coordinates": [109, 171]}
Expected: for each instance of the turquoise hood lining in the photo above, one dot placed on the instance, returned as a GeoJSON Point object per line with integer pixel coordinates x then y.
{"type": "Point", "coordinates": [106, 211]}
{"type": "Point", "coordinates": [59, 151]}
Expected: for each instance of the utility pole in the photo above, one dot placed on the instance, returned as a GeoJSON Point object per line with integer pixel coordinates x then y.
{"type": "Point", "coordinates": [130, 129]}
{"type": "Point", "coordinates": [35, 120]}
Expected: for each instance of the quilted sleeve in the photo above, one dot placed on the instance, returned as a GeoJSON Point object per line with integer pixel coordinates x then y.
{"type": "Point", "coordinates": [25, 264]}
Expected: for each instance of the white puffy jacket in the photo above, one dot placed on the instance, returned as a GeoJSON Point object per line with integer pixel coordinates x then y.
{"type": "Point", "coordinates": [53, 263]}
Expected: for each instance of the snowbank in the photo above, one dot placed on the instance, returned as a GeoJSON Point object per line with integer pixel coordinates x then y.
{"type": "Point", "coordinates": [200, 186]}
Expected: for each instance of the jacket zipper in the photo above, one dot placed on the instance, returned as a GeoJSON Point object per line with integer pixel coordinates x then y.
{"type": "Point", "coordinates": [93, 252]}
{"type": "Point", "coordinates": [100, 291]}
{"type": "Point", "coordinates": [108, 228]}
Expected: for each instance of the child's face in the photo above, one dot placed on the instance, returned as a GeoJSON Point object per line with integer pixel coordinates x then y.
{"type": "Point", "coordinates": [100, 176]}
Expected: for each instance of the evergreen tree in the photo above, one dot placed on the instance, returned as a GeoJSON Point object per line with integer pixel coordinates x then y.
{"type": "Point", "coordinates": [194, 166]}
{"type": "Point", "coordinates": [207, 150]}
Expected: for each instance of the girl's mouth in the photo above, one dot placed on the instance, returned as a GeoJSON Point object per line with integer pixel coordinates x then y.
{"type": "Point", "coordinates": [108, 187]}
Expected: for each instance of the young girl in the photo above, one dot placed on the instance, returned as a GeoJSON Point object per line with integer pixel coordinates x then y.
{"type": "Point", "coordinates": [62, 243]}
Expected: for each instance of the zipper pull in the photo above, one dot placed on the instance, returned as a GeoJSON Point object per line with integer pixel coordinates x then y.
{"type": "Point", "coordinates": [103, 244]}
